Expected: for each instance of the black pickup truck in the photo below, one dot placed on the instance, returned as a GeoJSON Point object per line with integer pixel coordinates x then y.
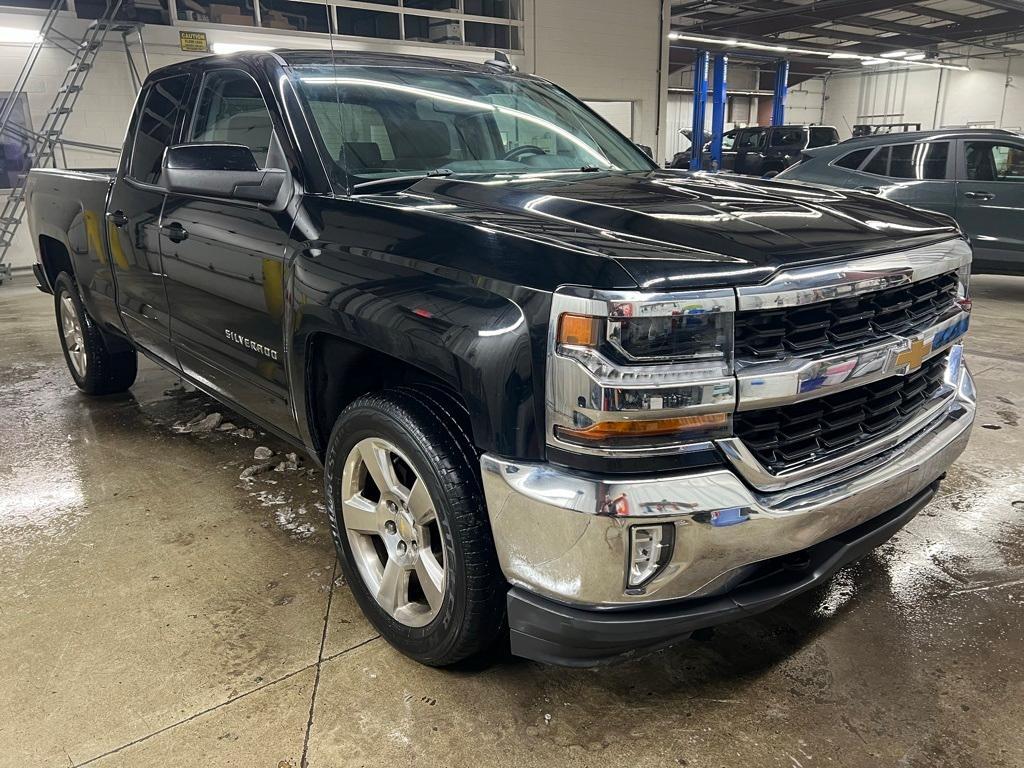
{"type": "Point", "coordinates": [559, 395]}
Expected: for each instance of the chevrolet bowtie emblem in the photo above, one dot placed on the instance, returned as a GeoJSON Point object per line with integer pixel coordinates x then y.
{"type": "Point", "coordinates": [914, 356]}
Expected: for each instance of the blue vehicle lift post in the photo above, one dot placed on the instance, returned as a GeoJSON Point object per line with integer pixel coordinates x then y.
{"type": "Point", "coordinates": [700, 103]}
{"type": "Point", "coordinates": [718, 104]}
{"type": "Point", "coordinates": [779, 99]}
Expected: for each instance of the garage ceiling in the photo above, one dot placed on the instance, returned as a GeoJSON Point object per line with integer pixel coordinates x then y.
{"type": "Point", "coordinates": [940, 29]}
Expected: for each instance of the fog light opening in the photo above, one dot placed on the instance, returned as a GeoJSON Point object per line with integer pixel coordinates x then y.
{"type": "Point", "coordinates": [650, 549]}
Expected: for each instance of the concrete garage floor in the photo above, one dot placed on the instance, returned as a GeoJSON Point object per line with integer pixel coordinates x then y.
{"type": "Point", "coordinates": [157, 611]}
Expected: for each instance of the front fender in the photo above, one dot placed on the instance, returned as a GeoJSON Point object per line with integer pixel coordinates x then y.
{"type": "Point", "coordinates": [483, 338]}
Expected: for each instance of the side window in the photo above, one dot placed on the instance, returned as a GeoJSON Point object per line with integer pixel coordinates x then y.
{"type": "Point", "coordinates": [786, 137]}
{"type": "Point", "coordinates": [231, 110]}
{"type": "Point", "coordinates": [822, 137]}
{"type": "Point", "coordinates": [919, 161]}
{"type": "Point", "coordinates": [992, 161]}
{"type": "Point", "coordinates": [160, 105]}
{"type": "Point", "coordinates": [751, 140]}
{"type": "Point", "coordinates": [853, 160]}
{"type": "Point", "coordinates": [729, 141]}
{"type": "Point", "coordinates": [879, 164]}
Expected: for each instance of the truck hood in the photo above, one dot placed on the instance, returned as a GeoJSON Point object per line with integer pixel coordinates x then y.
{"type": "Point", "coordinates": [675, 229]}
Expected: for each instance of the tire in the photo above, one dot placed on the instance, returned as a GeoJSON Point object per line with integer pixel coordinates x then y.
{"type": "Point", "coordinates": [95, 368]}
{"type": "Point", "coordinates": [464, 614]}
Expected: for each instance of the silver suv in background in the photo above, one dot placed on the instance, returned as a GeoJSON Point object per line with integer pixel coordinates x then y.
{"type": "Point", "coordinates": [974, 175]}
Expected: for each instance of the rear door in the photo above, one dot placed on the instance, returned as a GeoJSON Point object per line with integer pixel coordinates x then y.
{"type": "Point", "coordinates": [225, 260]}
{"type": "Point", "coordinates": [921, 175]}
{"type": "Point", "coordinates": [990, 201]}
{"type": "Point", "coordinates": [750, 144]}
{"type": "Point", "coordinates": [133, 216]}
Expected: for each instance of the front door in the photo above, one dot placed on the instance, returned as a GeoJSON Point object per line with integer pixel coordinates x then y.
{"type": "Point", "coordinates": [990, 202]}
{"type": "Point", "coordinates": [224, 262]}
{"type": "Point", "coordinates": [133, 218]}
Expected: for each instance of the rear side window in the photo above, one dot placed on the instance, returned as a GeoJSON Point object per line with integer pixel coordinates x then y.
{"type": "Point", "coordinates": [879, 164]}
{"type": "Point", "coordinates": [231, 110]}
{"type": "Point", "coordinates": [919, 161]}
{"type": "Point", "coordinates": [822, 137]}
{"type": "Point", "coordinates": [161, 104]}
{"type": "Point", "coordinates": [853, 160]}
{"type": "Point", "coordinates": [788, 137]}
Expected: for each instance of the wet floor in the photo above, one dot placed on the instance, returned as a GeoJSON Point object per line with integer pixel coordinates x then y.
{"type": "Point", "coordinates": [157, 610]}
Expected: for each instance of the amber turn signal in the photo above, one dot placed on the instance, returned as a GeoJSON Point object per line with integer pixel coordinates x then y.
{"type": "Point", "coordinates": [607, 430]}
{"type": "Point", "coordinates": [579, 330]}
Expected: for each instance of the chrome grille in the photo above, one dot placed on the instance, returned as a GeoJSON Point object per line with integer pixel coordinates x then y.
{"type": "Point", "coordinates": [841, 324]}
{"type": "Point", "coordinates": [794, 435]}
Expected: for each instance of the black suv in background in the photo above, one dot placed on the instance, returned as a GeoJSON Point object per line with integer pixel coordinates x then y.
{"type": "Point", "coordinates": [764, 151]}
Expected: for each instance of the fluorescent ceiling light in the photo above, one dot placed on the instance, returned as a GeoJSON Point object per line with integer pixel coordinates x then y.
{"type": "Point", "coordinates": [892, 57]}
{"type": "Point", "coordinates": [19, 35]}
{"type": "Point", "coordinates": [237, 47]}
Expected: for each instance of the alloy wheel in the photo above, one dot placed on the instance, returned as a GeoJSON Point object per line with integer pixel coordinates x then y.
{"type": "Point", "coordinates": [74, 341]}
{"type": "Point", "coordinates": [392, 528]}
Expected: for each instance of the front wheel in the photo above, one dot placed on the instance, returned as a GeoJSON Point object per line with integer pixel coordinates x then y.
{"type": "Point", "coordinates": [95, 367]}
{"type": "Point", "coordinates": [410, 525]}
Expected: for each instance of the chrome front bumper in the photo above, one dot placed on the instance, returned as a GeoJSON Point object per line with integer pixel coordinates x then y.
{"type": "Point", "coordinates": [557, 536]}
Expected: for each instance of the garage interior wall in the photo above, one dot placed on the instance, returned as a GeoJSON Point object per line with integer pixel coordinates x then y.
{"type": "Point", "coordinates": [990, 95]}
{"type": "Point", "coordinates": [599, 50]}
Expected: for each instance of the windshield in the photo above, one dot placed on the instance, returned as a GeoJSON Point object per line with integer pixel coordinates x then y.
{"type": "Point", "coordinates": [378, 123]}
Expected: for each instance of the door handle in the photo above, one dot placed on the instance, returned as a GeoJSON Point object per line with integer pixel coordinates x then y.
{"type": "Point", "coordinates": [872, 190]}
{"type": "Point", "coordinates": [118, 219]}
{"type": "Point", "coordinates": [176, 233]}
{"type": "Point", "coordinates": [979, 195]}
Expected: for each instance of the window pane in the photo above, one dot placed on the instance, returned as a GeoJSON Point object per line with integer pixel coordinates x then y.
{"type": "Point", "coordinates": [854, 159]}
{"type": "Point", "coordinates": [14, 159]}
{"type": "Point", "coordinates": [990, 161]}
{"type": "Point", "coordinates": [919, 161]}
{"type": "Point", "coordinates": [231, 110]}
{"type": "Point", "coordinates": [432, 30]}
{"type": "Point", "coordinates": [140, 10]}
{"type": "Point", "coordinates": [728, 141]}
{"type": "Point", "coordinates": [502, 9]}
{"type": "Point", "coordinates": [381, 24]}
{"type": "Point", "coordinates": [433, 5]}
{"type": "Point", "coordinates": [40, 4]}
{"type": "Point", "coordinates": [822, 137]}
{"type": "Point", "coordinates": [879, 164]}
{"type": "Point", "coordinates": [239, 12]}
{"type": "Point", "coordinates": [787, 137]}
{"type": "Point", "coordinates": [285, 14]}
{"type": "Point", "coordinates": [156, 127]}
{"type": "Point", "coordinates": [487, 35]}
{"type": "Point", "coordinates": [751, 140]}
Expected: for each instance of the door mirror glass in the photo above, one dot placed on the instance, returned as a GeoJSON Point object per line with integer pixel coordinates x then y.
{"type": "Point", "coordinates": [226, 171]}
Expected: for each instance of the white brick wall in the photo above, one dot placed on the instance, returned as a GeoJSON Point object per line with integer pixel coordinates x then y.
{"type": "Point", "coordinates": [987, 95]}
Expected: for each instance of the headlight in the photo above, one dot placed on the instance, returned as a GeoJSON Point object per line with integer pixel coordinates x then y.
{"type": "Point", "coordinates": [963, 287]}
{"type": "Point", "coordinates": [635, 374]}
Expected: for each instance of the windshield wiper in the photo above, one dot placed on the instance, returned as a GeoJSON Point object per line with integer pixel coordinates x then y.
{"type": "Point", "coordinates": [400, 179]}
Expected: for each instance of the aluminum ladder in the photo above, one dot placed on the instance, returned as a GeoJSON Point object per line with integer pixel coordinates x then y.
{"type": "Point", "coordinates": [43, 145]}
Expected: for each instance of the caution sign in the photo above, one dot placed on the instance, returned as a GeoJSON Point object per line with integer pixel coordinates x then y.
{"type": "Point", "coordinates": [194, 42]}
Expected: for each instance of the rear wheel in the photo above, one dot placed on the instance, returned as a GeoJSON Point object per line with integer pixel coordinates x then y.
{"type": "Point", "coordinates": [95, 367]}
{"type": "Point", "coordinates": [410, 526]}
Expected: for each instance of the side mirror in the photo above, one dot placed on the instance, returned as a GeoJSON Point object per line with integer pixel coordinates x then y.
{"type": "Point", "coordinates": [220, 170]}
{"type": "Point", "coordinates": [646, 150]}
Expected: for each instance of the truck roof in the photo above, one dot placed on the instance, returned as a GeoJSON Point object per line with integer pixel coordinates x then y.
{"type": "Point", "coordinates": [299, 57]}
